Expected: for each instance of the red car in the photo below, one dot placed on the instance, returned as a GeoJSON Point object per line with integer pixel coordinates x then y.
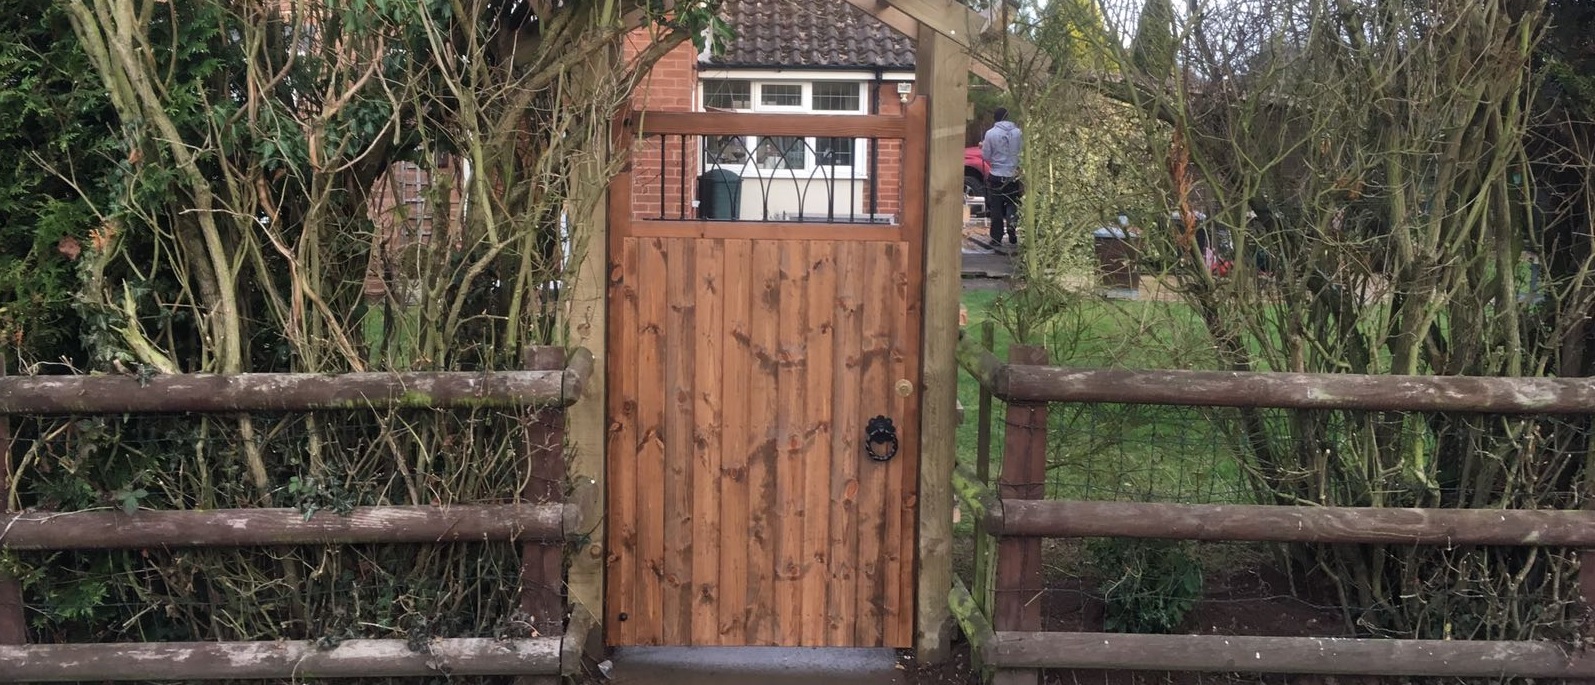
{"type": "Point", "coordinates": [975, 172]}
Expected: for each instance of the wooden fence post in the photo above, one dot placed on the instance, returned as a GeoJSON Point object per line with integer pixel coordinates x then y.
{"type": "Point", "coordinates": [542, 562]}
{"type": "Point", "coordinates": [13, 624]}
{"type": "Point", "coordinates": [1024, 476]}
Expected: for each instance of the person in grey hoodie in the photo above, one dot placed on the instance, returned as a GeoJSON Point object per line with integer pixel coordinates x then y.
{"type": "Point", "coordinates": [1000, 148]}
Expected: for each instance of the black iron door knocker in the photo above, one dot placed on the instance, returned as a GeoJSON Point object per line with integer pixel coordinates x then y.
{"type": "Point", "coordinates": [880, 439]}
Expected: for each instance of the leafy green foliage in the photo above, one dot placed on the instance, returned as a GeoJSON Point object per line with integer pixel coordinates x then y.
{"type": "Point", "coordinates": [238, 195]}
{"type": "Point", "coordinates": [57, 143]}
{"type": "Point", "coordinates": [1150, 586]}
{"type": "Point", "coordinates": [1152, 53]}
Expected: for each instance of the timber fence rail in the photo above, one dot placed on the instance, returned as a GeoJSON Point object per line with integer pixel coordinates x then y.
{"type": "Point", "coordinates": [1001, 614]}
{"type": "Point", "coordinates": [541, 523]}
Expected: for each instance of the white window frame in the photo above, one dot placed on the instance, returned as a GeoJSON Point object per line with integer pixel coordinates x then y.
{"type": "Point", "coordinates": [813, 169]}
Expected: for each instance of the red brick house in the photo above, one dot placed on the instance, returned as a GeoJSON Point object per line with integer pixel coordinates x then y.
{"type": "Point", "coordinates": [789, 56]}
{"type": "Point", "coordinates": [786, 56]}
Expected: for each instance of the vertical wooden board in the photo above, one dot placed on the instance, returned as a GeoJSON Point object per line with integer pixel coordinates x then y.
{"type": "Point", "coordinates": [765, 317]}
{"type": "Point", "coordinates": [912, 293]}
{"type": "Point", "coordinates": [874, 400]}
{"type": "Point", "coordinates": [890, 303]}
{"type": "Point", "coordinates": [819, 460]}
{"type": "Point", "coordinates": [902, 529]}
{"type": "Point", "coordinates": [707, 438]}
{"type": "Point", "coordinates": [792, 423]}
{"type": "Point", "coordinates": [847, 425]}
{"type": "Point", "coordinates": [680, 344]}
{"type": "Point", "coordinates": [624, 332]}
{"type": "Point", "coordinates": [736, 442]}
{"type": "Point", "coordinates": [652, 273]}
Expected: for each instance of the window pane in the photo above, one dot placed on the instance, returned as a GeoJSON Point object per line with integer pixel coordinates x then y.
{"type": "Point", "coordinates": [725, 150]}
{"type": "Point", "coordinates": [836, 96]}
{"type": "Point", "coordinates": [781, 94]}
{"type": "Point", "coordinates": [724, 94]}
{"type": "Point", "coordinates": [833, 151]}
{"type": "Point", "coordinates": [780, 152]}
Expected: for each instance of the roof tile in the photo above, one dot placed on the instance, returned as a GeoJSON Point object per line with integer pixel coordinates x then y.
{"type": "Point", "coordinates": [810, 33]}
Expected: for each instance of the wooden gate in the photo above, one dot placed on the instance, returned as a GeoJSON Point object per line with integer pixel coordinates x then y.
{"type": "Point", "coordinates": [747, 359]}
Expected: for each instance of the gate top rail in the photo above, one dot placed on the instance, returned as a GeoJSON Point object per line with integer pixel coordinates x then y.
{"type": "Point", "coordinates": [648, 122]}
{"type": "Point", "coordinates": [204, 392]}
{"type": "Point", "coordinates": [1278, 390]}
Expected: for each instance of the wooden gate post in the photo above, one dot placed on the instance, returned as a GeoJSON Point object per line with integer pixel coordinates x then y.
{"type": "Point", "coordinates": [1024, 476]}
{"type": "Point", "coordinates": [942, 74]}
{"type": "Point", "coordinates": [543, 563]}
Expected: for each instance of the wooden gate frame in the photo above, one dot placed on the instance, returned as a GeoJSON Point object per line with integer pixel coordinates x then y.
{"type": "Point", "coordinates": [942, 67]}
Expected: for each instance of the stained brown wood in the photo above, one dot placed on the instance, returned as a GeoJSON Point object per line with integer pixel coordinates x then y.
{"type": "Point", "coordinates": [680, 343]}
{"type": "Point", "coordinates": [764, 429]}
{"type": "Point", "coordinates": [1327, 656]}
{"type": "Point", "coordinates": [817, 463]}
{"type": "Point", "coordinates": [652, 401]}
{"type": "Point", "coordinates": [767, 230]}
{"type": "Point", "coordinates": [813, 340]}
{"type": "Point", "coordinates": [791, 413]}
{"type": "Point", "coordinates": [738, 443]}
{"type": "Point", "coordinates": [280, 526]}
{"type": "Point", "coordinates": [278, 660]}
{"type": "Point", "coordinates": [739, 124]}
{"type": "Point", "coordinates": [1299, 390]}
{"type": "Point", "coordinates": [767, 350]}
{"type": "Point", "coordinates": [1024, 472]}
{"type": "Point", "coordinates": [1270, 523]}
{"type": "Point", "coordinates": [900, 488]}
{"type": "Point", "coordinates": [707, 435]}
{"type": "Point", "coordinates": [874, 477]}
{"type": "Point", "coordinates": [847, 425]}
{"type": "Point", "coordinates": [621, 583]}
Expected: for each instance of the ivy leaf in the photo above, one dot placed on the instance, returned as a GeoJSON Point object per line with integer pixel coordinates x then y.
{"type": "Point", "coordinates": [131, 498]}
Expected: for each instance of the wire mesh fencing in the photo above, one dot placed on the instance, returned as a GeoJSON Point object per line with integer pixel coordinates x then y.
{"type": "Point", "coordinates": [322, 463]}
{"type": "Point", "coordinates": [1307, 458]}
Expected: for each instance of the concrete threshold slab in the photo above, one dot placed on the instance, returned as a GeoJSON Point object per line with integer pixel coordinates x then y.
{"type": "Point", "coordinates": [756, 666]}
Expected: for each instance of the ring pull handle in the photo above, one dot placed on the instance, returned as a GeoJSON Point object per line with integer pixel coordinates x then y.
{"type": "Point", "coordinates": [880, 439]}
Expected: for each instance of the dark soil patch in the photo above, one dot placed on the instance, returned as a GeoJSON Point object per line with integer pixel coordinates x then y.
{"type": "Point", "coordinates": [1248, 601]}
{"type": "Point", "coordinates": [1254, 600]}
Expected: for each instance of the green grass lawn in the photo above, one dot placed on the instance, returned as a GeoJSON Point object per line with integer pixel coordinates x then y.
{"type": "Point", "coordinates": [1103, 451]}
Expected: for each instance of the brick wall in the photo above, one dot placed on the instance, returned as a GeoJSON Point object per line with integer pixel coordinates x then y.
{"type": "Point", "coordinates": [889, 167]}
{"type": "Point", "coordinates": [402, 214]}
{"type": "Point", "coordinates": [661, 163]}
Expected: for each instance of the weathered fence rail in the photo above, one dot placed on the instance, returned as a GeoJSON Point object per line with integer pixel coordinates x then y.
{"type": "Point", "coordinates": [84, 530]}
{"type": "Point", "coordinates": [283, 659]}
{"type": "Point", "coordinates": [1305, 655]}
{"type": "Point", "coordinates": [201, 392]}
{"type": "Point", "coordinates": [1269, 523]}
{"type": "Point", "coordinates": [1024, 382]}
{"type": "Point", "coordinates": [541, 522]}
{"type": "Point", "coordinates": [1009, 636]}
